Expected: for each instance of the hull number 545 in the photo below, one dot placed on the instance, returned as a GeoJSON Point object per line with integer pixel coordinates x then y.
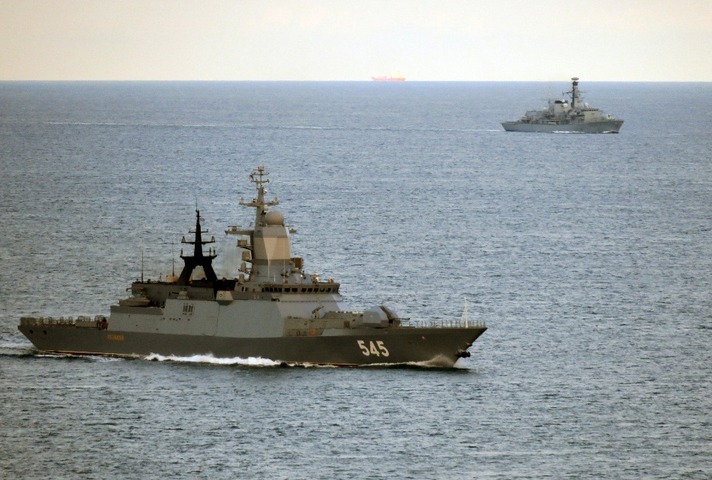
{"type": "Point", "coordinates": [376, 348]}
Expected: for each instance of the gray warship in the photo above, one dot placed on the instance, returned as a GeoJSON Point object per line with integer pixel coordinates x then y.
{"type": "Point", "coordinates": [563, 116]}
{"type": "Point", "coordinates": [272, 310]}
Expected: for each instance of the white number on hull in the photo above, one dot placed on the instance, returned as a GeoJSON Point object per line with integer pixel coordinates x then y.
{"type": "Point", "coordinates": [376, 348]}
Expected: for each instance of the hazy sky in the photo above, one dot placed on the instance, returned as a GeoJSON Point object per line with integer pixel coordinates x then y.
{"type": "Point", "coordinates": [631, 40]}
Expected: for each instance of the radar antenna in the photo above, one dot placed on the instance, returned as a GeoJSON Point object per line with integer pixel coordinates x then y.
{"type": "Point", "coordinates": [259, 178]}
{"type": "Point", "coordinates": [574, 92]}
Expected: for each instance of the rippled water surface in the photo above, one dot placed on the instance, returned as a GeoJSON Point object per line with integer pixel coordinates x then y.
{"type": "Point", "coordinates": [588, 256]}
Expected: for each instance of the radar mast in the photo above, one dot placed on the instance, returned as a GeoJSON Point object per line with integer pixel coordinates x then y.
{"type": "Point", "coordinates": [198, 259]}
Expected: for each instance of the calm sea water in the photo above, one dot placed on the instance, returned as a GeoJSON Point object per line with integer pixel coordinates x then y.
{"type": "Point", "coordinates": [589, 257]}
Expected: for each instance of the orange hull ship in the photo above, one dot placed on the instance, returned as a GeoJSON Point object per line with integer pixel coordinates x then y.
{"type": "Point", "coordinates": [391, 78]}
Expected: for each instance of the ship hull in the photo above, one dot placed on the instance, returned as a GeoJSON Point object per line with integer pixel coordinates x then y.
{"type": "Point", "coordinates": [440, 347]}
{"type": "Point", "coordinates": [611, 126]}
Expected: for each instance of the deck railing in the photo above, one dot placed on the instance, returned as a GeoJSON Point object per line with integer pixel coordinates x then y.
{"type": "Point", "coordinates": [459, 323]}
{"type": "Point", "coordinates": [80, 321]}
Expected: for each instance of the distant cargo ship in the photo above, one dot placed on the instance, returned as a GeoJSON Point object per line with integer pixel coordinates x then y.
{"type": "Point", "coordinates": [396, 77]}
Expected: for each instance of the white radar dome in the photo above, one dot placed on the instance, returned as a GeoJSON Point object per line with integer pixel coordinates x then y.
{"type": "Point", "coordinates": [274, 218]}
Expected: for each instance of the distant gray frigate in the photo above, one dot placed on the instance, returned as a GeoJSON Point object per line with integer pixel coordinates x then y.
{"type": "Point", "coordinates": [565, 116]}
